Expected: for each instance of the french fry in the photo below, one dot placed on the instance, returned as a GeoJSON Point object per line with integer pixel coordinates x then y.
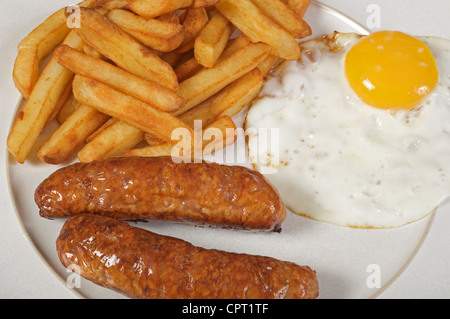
{"type": "Point", "coordinates": [172, 58]}
{"type": "Point", "coordinates": [223, 130]}
{"type": "Point", "coordinates": [212, 40]}
{"type": "Point", "coordinates": [193, 21]}
{"type": "Point", "coordinates": [145, 90]}
{"type": "Point", "coordinates": [126, 108]}
{"type": "Point", "coordinates": [299, 6]}
{"type": "Point", "coordinates": [113, 140]}
{"type": "Point", "coordinates": [156, 8]}
{"type": "Point", "coordinates": [70, 105]}
{"type": "Point", "coordinates": [113, 4]}
{"type": "Point", "coordinates": [260, 28]}
{"type": "Point", "coordinates": [41, 104]}
{"type": "Point", "coordinates": [210, 81]}
{"type": "Point", "coordinates": [241, 41]}
{"type": "Point", "coordinates": [156, 34]}
{"type": "Point", "coordinates": [187, 69]}
{"type": "Point", "coordinates": [229, 101]}
{"type": "Point", "coordinates": [234, 45]}
{"type": "Point", "coordinates": [170, 17]}
{"type": "Point", "coordinates": [120, 47]}
{"type": "Point", "coordinates": [282, 14]}
{"type": "Point", "coordinates": [203, 3]}
{"type": "Point", "coordinates": [64, 142]}
{"type": "Point", "coordinates": [36, 46]}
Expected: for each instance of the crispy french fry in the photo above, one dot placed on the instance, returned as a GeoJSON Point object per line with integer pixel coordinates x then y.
{"type": "Point", "coordinates": [260, 28]}
{"type": "Point", "coordinates": [145, 90]}
{"type": "Point", "coordinates": [113, 4]}
{"type": "Point", "coordinates": [241, 41]}
{"type": "Point", "coordinates": [64, 142]}
{"type": "Point", "coordinates": [125, 107]}
{"type": "Point", "coordinates": [113, 140]}
{"type": "Point", "coordinates": [234, 45]}
{"type": "Point", "coordinates": [209, 81]}
{"type": "Point", "coordinates": [282, 14]}
{"type": "Point", "coordinates": [203, 3]}
{"type": "Point", "coordinates": [172, 58]}
{"type": "Point", "coordinates": [187, 69]}
{"type": "Point", "coordinates": [156, 34]}
{"type": "Point", "coordinates": [156, 8]}
{"type": "Point", "coordinates": [120, 47]}
{"type": "Point", "coordinates": [299, 6]}
{"type": "Point", "coordinates": [41, 104]}
{"type": "Point", "coordinates": [26, 71]}
{"type": "Point", "coordinates": [229, 101]}
{"type": "Point", "coordinates": [193, 21]}
{"type": "Point", "coordinates": [63, 98]}
{"type": "Point", "coordinates": [36, 46]}
{"type": "Point", "coordinates": [268, 64]}
{"type": "Point", "coordinates": [212, 40]}
{"type": "Point", "coordinates": [170, 17]}
{"type": "Point", "coordinates": [217, 135]}
{"type": "Point", "coordinates": [70, 105]}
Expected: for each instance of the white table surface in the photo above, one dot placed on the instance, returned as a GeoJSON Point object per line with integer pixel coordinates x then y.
{"type": "Point", "coordinates": [24, 275]}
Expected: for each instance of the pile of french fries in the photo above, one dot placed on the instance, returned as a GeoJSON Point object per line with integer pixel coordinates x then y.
{"type": "Point", "coordinates": [133, 71]}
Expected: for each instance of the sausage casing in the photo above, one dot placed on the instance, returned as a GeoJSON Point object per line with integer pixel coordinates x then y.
{"type": "Point", "coordinates": [141, 264]}
{"type": "Point", "coordinates": [140, 188]}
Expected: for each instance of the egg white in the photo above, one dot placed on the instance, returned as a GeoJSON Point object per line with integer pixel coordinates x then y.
{"type": "Point", "coordinates": [341, 161]}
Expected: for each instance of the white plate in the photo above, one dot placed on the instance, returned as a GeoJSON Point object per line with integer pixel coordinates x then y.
{"type": "Point", "coordinates": [346, 260]}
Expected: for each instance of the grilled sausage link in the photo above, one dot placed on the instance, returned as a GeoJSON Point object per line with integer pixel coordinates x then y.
{"type": "Point", "coordinates": [141, 264]}
{"type": "Point", "coordinates": [139, 188]}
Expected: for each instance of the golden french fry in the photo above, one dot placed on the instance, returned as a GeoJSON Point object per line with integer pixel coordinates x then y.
{"type": "Point", "coordinates": [170, 17]}
{"type": "Point", "coordinates": [260, 28]}
{"type": "Point", "coordinates": [113, 140]}
{"type": "Point", "coordinates": [234, 45]}
{"type": "Point", "coordinates": [156, 8]}
{"type": "Point", "coordinates": [126, 108]}
{"type": "Point", "coordinates": [268, 64]}
{"type": "Point", "coordinates": [145, 90]}
{"type": "Point", "coordinates": [187, 69]}
{"type": "Point", "coordinates": [203, 3]}
{"type": "Point", "coordinates": [172, 58]}
{"type": "Point", "coordinates": [36, 46]}
{"type": "Point", "coordinates": [120, 47]}
{"type": "Point", "coordinates": [241, 41]}
{"type": "Point", "coordinates": [64, 142]}
{"type": "Point", "coordinates": [193, 21]}
{"type": "Point", "coordinates": [229, 101]}
{"type": "Point", "coordinates": [156, 34]}
{"type": "Point", "coordinates": [63, 98]}
{"type": "Point", "coordinates": [70, 105]}
{"type": "Point", "coordinates": [282, 14]}
{"type": "Point", "coordinates": [299, 6]}
{"type": "Point", "coordinates": [212, 40]}
{"type": "Point", "coordinates": [217, 135]}
{"type": "Point", "coordinates": [41, 104]}
{"type": "Point", "coordinates": [26, 71]}
{"type": "Point", "coordinates": [209, 81]}
{"type": "Point", "coordinates": [33, 48]}
{"type": "Point", "coordinates": [113, 4]}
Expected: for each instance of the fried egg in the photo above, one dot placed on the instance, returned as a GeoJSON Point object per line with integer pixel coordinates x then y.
{"type": "Point", "coordinates": [362, 126]}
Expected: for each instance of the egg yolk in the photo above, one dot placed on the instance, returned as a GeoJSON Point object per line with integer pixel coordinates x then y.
{"type": "Point", "coordinates": [391, 70]}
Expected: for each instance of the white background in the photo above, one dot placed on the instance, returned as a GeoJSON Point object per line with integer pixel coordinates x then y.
{"type": "Point", "coordinates": [24, 275]}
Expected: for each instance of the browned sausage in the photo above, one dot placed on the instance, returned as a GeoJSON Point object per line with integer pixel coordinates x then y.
{"type": "Point", "coordinates": [138, 188]}
{"type": "Point", "coordinates": [141, 264]}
